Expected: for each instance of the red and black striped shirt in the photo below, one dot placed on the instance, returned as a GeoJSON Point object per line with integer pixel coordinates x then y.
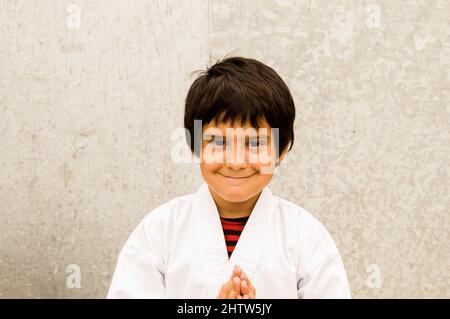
{"type": "Point", "coordinates": [232, 229]}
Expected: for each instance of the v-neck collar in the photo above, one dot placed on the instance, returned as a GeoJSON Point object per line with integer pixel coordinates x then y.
{"type": "Point", "coordinates": [235, 220]}
{"type": "Point", "coordinates": [211, 241]}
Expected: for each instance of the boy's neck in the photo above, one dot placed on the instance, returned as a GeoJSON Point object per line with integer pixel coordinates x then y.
{"type": "Point", "coordinates": [234, 210]}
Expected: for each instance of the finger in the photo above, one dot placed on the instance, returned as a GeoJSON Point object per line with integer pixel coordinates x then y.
{"type": "Point", "coordinates": [245, 290]}
{"type": "Point", "coordinates": [237, 285]}
{"type": "Point", "coordinates": [226, 289]}
{"type": "Point", "coordinates": [250, 285]}
{"type": "Point", "coordinates": [237, 271]}
{"type": "Point", "coordinates": [239, 297]}
{"type": "Point", "coordinates": [245, 297]}
{"type": "Point", "coordinates": [230, 283]}
{"type": "Point", "coordinates": [245, 277]}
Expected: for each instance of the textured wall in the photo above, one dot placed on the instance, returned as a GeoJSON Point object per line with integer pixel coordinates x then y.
{"type": "Point", "coordinates": [90, 92]}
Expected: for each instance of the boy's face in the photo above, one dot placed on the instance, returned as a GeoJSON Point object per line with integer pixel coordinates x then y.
{"type": "Point", "coordinates": [238, 165]}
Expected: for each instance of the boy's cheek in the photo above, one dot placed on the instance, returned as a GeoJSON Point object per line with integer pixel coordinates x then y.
{"type": "Point", "coordinates": [264, 178]}
{"type": "Point", "coordinates": [265, 160]}
{"type": "Point", "coordinates": [209, 168]}
{"type": "Point", "coordinates": [262, 159]}
{"type": "Point", "coordinates": [212, 158]}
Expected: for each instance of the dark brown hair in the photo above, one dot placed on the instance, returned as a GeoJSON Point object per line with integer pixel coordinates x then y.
{"type": "Point", "coordinates": [239, 90]}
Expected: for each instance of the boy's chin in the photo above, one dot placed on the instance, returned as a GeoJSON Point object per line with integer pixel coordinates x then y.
{"type": "Point", "coordinates": [235, 196]}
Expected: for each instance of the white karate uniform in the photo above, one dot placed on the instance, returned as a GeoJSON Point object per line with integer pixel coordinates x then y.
{"type": "Point", "coordinates": [179, 251]}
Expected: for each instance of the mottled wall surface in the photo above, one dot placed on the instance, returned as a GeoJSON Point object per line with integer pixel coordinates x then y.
{"type": "Point", "coordinates": [91, 91]}
{"type": "Point", "coordinates": [86, 115]}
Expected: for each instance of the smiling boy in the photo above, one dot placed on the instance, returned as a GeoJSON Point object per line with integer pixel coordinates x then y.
{"type": "Point", "coordinates": [233, 238]}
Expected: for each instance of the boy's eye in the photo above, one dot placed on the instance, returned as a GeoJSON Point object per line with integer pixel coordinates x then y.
{"type": "Point", "coordinates": [218, 142]}
{"type": "Point", "coordinates": [256, 143]}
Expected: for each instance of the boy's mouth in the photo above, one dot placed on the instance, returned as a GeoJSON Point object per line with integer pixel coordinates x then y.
{"type": "Point", "coordinates": [237, 177]}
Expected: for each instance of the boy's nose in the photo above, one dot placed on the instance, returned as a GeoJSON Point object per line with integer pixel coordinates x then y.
{"type": "Point", "coordinates": [235, 157]}
{"type": "Point", "coordinates": [235, 165]}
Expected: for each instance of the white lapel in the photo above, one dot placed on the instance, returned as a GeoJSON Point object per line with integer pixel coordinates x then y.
{"type": "Point", "coordinates": [211, 240]}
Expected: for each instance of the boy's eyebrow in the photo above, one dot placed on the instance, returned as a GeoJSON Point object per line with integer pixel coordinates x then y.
{"type": "Point", "coordinates": [210, 136]}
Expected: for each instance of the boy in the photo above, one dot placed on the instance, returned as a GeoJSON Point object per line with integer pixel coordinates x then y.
{"type": "Point", "coordinates": [233, 238]}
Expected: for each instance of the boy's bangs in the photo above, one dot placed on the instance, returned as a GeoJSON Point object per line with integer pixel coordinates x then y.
{"type": "Point", "coordinates": [235, 108]}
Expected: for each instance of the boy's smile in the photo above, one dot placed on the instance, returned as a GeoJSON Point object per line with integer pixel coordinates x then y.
{"type": "Point", "coordinates": [237, 177]}
{"type": "Point", "coordinates": [236, 181]}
